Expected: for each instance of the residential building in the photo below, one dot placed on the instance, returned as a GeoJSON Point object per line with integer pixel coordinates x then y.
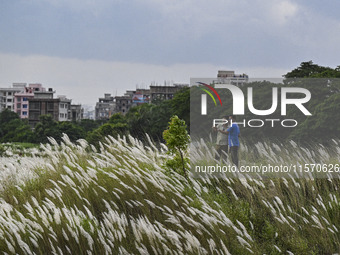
{"type": "Point", "coordinates": [131, 98]}
{"type": "Point", "coordinates": [64, 108]}
{"type": "Point", "coordinates": [229, 77]}
{"type": "Point", "coordinates": [21, 99]}
{"type": "Point", "coordinates": [76, 112]}
{"type": "Point", "coordinates": [165, 92]}
{"type": "Point", "coordinates": [105, 107]}
{"type": "Point", "coordinates": [123, 103]}
{"type": "Point", "coordinates": [7, 96]}
{"type": "Point", "coordinates": [41, 104]}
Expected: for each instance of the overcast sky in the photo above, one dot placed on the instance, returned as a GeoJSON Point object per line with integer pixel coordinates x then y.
{"type": "Point", "coordinates": [85, 48]}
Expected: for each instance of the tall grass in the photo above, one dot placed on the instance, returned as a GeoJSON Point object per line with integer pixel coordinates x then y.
{"type": "Point", "coordinates": [120, 199]}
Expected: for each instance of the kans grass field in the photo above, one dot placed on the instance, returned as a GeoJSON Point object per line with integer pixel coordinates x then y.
{"type": "Point", "coordinates": [72, 198]}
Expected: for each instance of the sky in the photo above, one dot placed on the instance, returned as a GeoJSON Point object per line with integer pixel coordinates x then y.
{"type": "Point", "coordinates": [85, 48]}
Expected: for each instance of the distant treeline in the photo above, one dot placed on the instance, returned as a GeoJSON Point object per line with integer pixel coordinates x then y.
{"type": "Point", "coordinates": [153, 118]}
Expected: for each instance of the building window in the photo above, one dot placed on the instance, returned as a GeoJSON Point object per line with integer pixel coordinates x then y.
{"type": "Point", "coordinates": [50, 106]}
{"type": "Point", "coordinates": [18, 99]}
{"type": "Point", "coordinates": [35, 106]}
{"type": "Point", "coordinates": [9, 93]}
{"type": "Point", "coordinates": [24, 106]}
{"type": "Point", "coordinates": [9, 100]}
{"type": "Point", "coordinates": [19, 106]}
{"type": "Point", "coordinates": [24, 99]}
{"type": "Point", "coordinates": [18, 112]}
{"type": "Point", "coordinates": [24, 113]}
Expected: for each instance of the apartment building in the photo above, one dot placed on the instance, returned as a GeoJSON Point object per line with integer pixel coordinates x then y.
{"type": "Point", "coordinates": [7, 96]}
{"type": "Point", "coordinates": [123, 103]}
{"type": "Point", "coordinates": [21, 98]}
{"type": "Point", "coordinates": [76, 112]}
{"type": "Point", "coordinates": [41, 104]}
{"type": "Point", "coordinates": [229, 77]}
{"type": "Point", "coordinates": [105, 107]}
{"type": "Point", "coordinates": [165, 92]}
{"type": "Point", "coordinates": [64, 108]}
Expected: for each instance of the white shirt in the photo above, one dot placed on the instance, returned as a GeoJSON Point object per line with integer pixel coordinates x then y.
{"type": "Point", "coordinates": [222, 139]}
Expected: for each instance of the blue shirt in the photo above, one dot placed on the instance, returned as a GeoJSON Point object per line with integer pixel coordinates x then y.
{"type": "Point", "coordinates": [234, 131]}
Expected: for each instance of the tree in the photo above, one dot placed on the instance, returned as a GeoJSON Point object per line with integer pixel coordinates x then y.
{"type": "Point", "coordinates": [307, 70]}
{"type": "Point", "coordinates": [47, 127]}
{"type": "Point", "coordinates": [88, 125]}
{"type": "Point", "coordinates": [73, 131]}
{"type": "Point", "coordinates": [13, 129]}
{"type": "Point", "coordinates": [116, 126]}
{"type": "Point", "coordinates": [177, 140]}
{"type": "Point", "coordinates": [7, 115]}
{"type": "Point", "coordinates": [180, 104]}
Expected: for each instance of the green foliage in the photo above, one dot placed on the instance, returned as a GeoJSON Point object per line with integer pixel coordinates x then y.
{"type": "Point", "coordinates": [323, 124]}
{"type": "Point", "coordinates": [153, 118]}
{"type": "Point", "coordinates": [13, 129]}
{"type": "Point", "coordinates": [116, 126]}
{"type": "Point", "coordinates": [89, 125]}
{"type": "Point", "coordinates": [47, 127]}
{"type": "Point", "coordinates": [139, 119]}
{"type": "Point", "coordinates": [180, 105]}
{"type": "Point", "coordinates": [177, 140]}
{"type": "Point", "coordinates": [311, 70]}
{"type": "Point", "coordinates": [2, 150]}
{"type": "Point", "coordinates": [73, 131]}
{"type": "Point", "coordinates": [7, 115]}
{"type": "Point", "coordinates": [117, 118]}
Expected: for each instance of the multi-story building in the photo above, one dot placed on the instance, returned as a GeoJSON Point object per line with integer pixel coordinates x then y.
{"type": "Point", "coordinates": [131, 98]}
{"type": "Point", "coordinates": [21, 99]}
{"type": "Point", "coordinates": [41, 104]}
{"type": "Point", "coordinates": [123, 103]}
{"type": "Point", "coordinates": [7, 96]}
{"type": "Point", "coordinates": [229, 77]}
{"type": "Point", "coordinates": [76, 112]}
{"type": "Point", "coordinates": [64, 108]}
{"type": "Point", "coordinates": [165, 92]}
{"type": "Point", "coordinates": [105, 107]}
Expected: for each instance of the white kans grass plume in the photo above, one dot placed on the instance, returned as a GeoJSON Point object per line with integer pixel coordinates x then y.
{"type": "Point", "coordinates": [120, 199]}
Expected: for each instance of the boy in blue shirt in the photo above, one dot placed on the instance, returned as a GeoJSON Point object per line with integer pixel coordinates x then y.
{"type": "Point", "coordinates": [233, 133]}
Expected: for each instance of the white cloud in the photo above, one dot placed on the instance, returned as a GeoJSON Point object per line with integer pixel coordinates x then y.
{"type": "Point", "coordinates": [283, 11]}
{"type": "Point", "coordinates": [86, 81]}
